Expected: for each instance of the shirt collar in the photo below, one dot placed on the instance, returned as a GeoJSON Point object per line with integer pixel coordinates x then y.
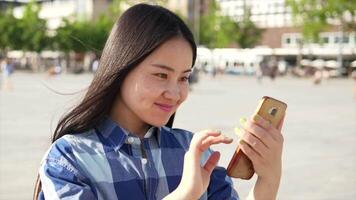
{"type": "Point", "coordinates": [117, 136]}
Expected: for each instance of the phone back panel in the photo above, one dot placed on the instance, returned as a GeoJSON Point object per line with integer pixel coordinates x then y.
{"type": "Point", "coordinates": [269, 109]}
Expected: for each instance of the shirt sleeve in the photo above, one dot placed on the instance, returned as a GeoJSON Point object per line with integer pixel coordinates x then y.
{"type": "Point", "coordinates": [221, 186]}
{"type": "Point", "coordinates": [60, 178]}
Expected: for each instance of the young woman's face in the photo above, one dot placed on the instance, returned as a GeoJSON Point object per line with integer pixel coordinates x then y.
{"type": "Point", "coordinates": [153, 91]}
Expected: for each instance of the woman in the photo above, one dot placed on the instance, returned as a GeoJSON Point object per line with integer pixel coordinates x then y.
{"type": "Point", "coordinates": [115, 145]}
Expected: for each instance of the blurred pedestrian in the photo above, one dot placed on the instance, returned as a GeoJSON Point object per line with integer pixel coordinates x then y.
{"type": "Point", "coordinates": [317, 77]}
{"type": "Point", "coordinates": [353, 76]}
{"type": "Point", "coordinates": [273, 67]}
{"type": "Point", "coordinates": [7, 68]}
{"type": "Point", "coordinates": [259, 70]}
{"type": "Point", "coordinates": [55, 70]}
{"type": "Point", "coordinates": [118, 142]}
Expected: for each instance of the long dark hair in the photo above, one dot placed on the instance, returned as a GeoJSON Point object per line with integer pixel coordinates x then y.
{"type": "Point", "coordinates": [138, 32]}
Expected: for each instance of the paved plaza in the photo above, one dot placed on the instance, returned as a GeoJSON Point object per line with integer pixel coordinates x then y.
{"type": "Point", "coordinates": [319, 159]}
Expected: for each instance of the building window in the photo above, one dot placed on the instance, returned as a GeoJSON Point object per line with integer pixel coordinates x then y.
{"type": "Point", "coordinates": [325, 40]}
{"type": "Point", "coordinates": [345, 39]}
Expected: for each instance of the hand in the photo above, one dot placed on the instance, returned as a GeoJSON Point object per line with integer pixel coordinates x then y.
{"type": "Point", "coordinates": [263, 144]}
{"type": "Point", "coordinates": [195, 178]}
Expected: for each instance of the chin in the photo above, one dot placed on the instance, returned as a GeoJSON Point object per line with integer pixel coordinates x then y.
{"type": "Point", "coordinates": [158, 122]}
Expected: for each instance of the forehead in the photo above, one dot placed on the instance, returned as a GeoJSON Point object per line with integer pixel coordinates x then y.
{"type": "Point", "coordinates": [175, 53]}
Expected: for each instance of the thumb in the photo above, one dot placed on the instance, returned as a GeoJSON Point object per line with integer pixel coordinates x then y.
{"type": "Point", "coordinates": [212, 162]}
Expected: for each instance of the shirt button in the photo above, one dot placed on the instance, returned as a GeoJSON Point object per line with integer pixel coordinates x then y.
{"type": "Point", "coordinates": [144, 161]}
{"type": "Point", "coordinates": [130, 140]}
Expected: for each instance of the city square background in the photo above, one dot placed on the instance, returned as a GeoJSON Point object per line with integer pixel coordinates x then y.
{"type": "Point", "coordinates": [319, 159]}
{"type": "Point", "coordinates": [302, 52]}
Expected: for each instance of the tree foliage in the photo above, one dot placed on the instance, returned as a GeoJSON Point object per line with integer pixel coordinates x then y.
{"type": "Point", "coordinates": [248, 34]}
{"type": "Point", "coordinates": [29, 33]}
{"type": "Point", "coordinates": [315, 16]}
{"type": "Point", "coordinates": [217, 31]}
{"type": "Point", "coordinates": [10, 33]}
{"type": "Point", "coordinates": [34, 30]}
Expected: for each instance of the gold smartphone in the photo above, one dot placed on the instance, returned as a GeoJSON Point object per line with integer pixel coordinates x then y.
{"type": "Point", "coordinates": [269, 109]}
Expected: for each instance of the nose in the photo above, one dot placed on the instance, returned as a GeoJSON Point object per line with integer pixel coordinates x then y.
{"type": "Point", "coordinates": [172, 92]}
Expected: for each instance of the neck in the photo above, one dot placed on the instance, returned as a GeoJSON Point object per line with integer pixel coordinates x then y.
{"type": "Point", "coordinates": [129, 120]}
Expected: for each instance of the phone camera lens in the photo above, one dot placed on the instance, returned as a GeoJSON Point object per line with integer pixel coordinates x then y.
{"type": "Point", "coordinates": [273, 111]}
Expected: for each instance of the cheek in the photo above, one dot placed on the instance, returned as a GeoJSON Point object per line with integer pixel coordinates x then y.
{"type": "Point", "coordinates": [184, 91]}
{"type": "Point", "coordinates": [147, 89]}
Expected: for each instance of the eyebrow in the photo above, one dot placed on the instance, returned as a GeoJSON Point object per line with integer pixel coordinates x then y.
{"type": "Point", "coordinates": [168, 68]}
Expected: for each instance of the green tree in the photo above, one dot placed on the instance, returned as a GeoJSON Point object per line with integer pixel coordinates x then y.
{"type": "Point", "coordinates": [315, 16]}
{"type": "Point", "coordinates": [216, 31]}
{"type": "Point", "coordinates": [208, 27]}
{"type": "Point", "coordinates": [227, 32]}
{"type": "Point", "coordinates": [83, 36]}
{"type": "Point", "coordinates": [10, 35]}
{"type": "Point", "coordinates": [33, 29]}
{"type": "Point", "coordinates": [100, 31]}
{"type": "Point", "coordinates": [248, 34]}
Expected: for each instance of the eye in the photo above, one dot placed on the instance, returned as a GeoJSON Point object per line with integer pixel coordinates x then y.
{"type": "Point", "coordinates": [161, 75]}
{"type": "Point", "coordinates": [185, 79]}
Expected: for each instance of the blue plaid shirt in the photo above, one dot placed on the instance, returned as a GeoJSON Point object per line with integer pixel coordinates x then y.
{"type": "Point", "coordinates": [110, 163]}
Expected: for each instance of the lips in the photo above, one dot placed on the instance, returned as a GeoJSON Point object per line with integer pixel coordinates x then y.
{"type": "Point", "coordinates": [164, 107]}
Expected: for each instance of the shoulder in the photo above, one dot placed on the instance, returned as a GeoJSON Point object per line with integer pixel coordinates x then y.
{"type": "Point", "coordinates": [69, 151]}
{"type": "Point", "coordinates": [69, 146]}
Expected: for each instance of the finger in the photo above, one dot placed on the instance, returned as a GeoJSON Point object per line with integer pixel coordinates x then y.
{"type": "Point", "coordinates": [207, 142]}
{"type": "Point", "coordinates": [262, 134]}
{"type": "Point", "coordinates": [274, 132]}
{"type": "Point", "coordinates": [212, 162]}
{"type": "Point", "coordinates": [238, 132]}
{"type": "Point", "coordinates": [280, 125]}
{"type": "Point", "coordinates": [242, 120]}
{"type": "Point", "coordinates": [261, 122]}
{"type": "Point", "coordinates": [249, 152]}
{"type": "Point", "coordinates": [255, 144]}
{"type": "Point", "coordinates": [200, 136]}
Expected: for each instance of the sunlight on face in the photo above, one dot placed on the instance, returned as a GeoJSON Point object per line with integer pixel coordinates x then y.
{"type": "Point", "coordinates": [153, 91]}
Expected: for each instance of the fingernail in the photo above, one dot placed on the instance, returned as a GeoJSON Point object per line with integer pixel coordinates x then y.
{"type": "Point", "coordinates": [243, 120]}
{"type": "Point", "coordinates": [238, 132]}
{"type": "Point", "coordinates": [227, 138]}
{"type": "Point", "coordinates": [257, 118]}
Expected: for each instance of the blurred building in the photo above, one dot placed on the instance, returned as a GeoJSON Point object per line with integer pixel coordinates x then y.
{"type": "Point", "coordinates": [54, 11]}
{"type": "Point", "coordinates": [275, 18]}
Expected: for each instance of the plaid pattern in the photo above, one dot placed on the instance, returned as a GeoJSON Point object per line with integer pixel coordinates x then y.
{"type": "Point", "coordinates": [110, 163]}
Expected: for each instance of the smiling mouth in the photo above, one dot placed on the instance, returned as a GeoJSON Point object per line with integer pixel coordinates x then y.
{"type": "Point", "coordinates": [165, 107]}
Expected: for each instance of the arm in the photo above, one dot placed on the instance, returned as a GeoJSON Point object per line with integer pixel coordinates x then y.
{"type": "Point", "coordinates": [60, 182]}
{"type": "Point", "coordinates": [221, 186]}
{"type": "Point", "coordinates": [263, 144]}
{"type": "Point", "coordinates": [60, 178]}
{"type": "Point", "coordinates": [264, 189]}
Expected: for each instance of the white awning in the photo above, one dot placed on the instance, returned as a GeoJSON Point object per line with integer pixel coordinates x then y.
{"type": "Point", "coordinates": [318, 63]}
